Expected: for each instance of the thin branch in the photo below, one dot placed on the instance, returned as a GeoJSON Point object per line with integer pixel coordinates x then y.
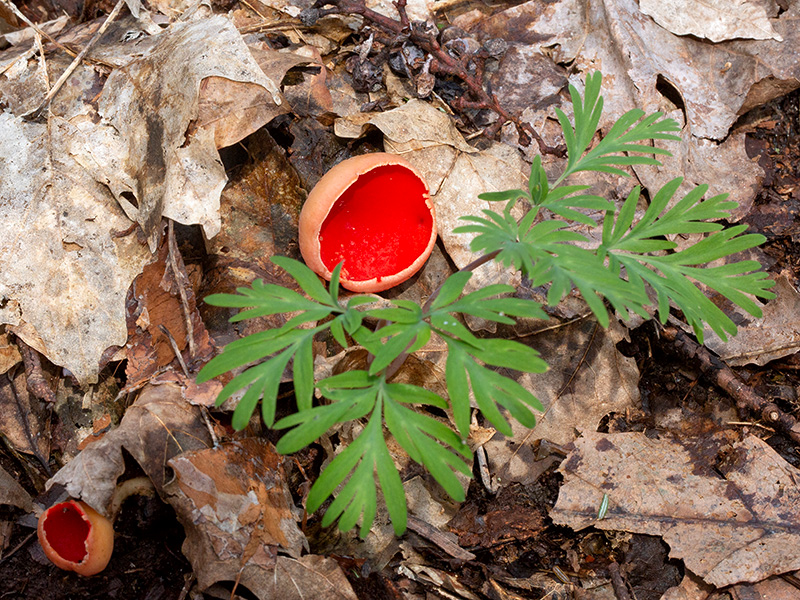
{"type": "Point", "coordinates": [442, 63]}
{"type": "Point", "coordinates": [36, 114]}
{"type": "Point", "coordinates": [723, 377]}
{"type": "Point", "coordinates": [181, 280]}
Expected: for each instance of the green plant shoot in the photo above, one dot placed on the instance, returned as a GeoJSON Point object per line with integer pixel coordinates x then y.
{"type": "Point", "coordinates": [634, 263]}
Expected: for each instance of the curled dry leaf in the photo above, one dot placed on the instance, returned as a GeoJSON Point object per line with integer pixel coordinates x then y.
{"type": "Point", "coordinates": [737, 522]}
{"type": "Point", "coordinates": [141, 147]}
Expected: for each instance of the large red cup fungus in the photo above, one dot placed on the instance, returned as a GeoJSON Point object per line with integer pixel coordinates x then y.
{"type": "Point", "coordinates": [75, 537]}
{"type": "Point", "coordinates": [374, 213]}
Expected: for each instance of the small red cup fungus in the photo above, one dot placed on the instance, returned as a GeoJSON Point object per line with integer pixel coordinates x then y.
{"type": "Point", "coordinates": [374, 213]}
{"type": "Point", "coordinates": [75, 537]}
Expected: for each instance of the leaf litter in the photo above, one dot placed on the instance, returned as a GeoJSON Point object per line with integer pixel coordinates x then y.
{"type": "Point", "coordinates": [147, 147]}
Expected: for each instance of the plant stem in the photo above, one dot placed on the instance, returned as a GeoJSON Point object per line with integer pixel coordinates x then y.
{"type": "Point", "coordinates": [470, 267]}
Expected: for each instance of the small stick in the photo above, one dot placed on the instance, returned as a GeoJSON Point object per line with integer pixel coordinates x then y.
{"type": "Point", "coordinates": [618, 583]}
{"type": "Point", "coordinates": [723, 376]}
{"type": "Point", "coordinates": [175, 349]}
{"type": "Point", "coordinates": [432, 534]}
{"type": "Point", "coordinates": [181, 281]}
{"type": "Point", "coordinates": [209, 426]}
{"type": "Point", "coordinates": [36, 114]}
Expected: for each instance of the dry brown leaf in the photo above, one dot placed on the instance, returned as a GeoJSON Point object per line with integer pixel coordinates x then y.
{"type": "Point", "coordinates": [153, 305]}
{"type": "Point", "coordinates": [24, 424]}
{"type": "Point", "coordinates": [158, 426]}
{"type": "Point", "coordinates": [12, 493]}
{"type": "Point", "coordinates": [645, 66]}
{"type": "Point", "coordinates": [759, 341]}
{"type": "Point", "coordinates": [717, 20]}
{"type": "Point", "coordinates": [588, 379]}
{"type": "Point", "coordinates": [730, 522]}
{"type": "Point", "coordinates": [440, 580]}
{"type": "Point", "coordinates": [417, 10]}
{"type": "Point", "coordinates": [509, 516]}
{"type": "Point", "coordinates": [236, 109]}
{"type": "Point", "coordinates": [237, 512]}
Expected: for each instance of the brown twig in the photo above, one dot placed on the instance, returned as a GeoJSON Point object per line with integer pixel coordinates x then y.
{"type": "Point", "coordinates": [434, 535]}
{"type": "Point", "coordinates": [618, 582]}
{"type": "Point", "coordinates": [182, 281]}
{"type": "Point", "coordinates": [175, 349]}
{"type": "Point", "coordinates": [36, 114]}
{"type": "Point", "coordinates": [723, 376]}
{"type": "Point", "coordinates": [443, 63]}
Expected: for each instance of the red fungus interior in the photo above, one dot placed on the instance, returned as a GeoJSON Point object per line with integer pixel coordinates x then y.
{"type": "Point", "coordinates": [378, 226]}
{"type": "Point", "coordinates": [66, 531]}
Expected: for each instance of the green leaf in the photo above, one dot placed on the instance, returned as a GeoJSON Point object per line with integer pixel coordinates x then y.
{"type": "Point", "coordinates": [305, 278]}
{"type": "Point", "coordinates": [502, 196]}
{"type": "Point", "coordinates": [361, 460]}
{"type": "Point", "coordinates": [430, 443]}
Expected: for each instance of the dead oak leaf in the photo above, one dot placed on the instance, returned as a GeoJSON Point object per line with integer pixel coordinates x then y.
{"type": "Point", "coordinates": [237, 511]}
{"type": "Point", "coordinates": [740, 525]}
{"type": "Point", "coordinates": [62, 267]}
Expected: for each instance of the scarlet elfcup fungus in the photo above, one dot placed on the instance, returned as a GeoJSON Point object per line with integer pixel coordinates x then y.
{"type": "Point", "coordinates": [374, 213]}
{"type": "Point", "coordinates": [75, 537]}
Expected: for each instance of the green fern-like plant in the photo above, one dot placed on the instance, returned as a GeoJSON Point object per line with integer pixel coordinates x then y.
{"type": "Point", "coordinates": [632, 259]}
